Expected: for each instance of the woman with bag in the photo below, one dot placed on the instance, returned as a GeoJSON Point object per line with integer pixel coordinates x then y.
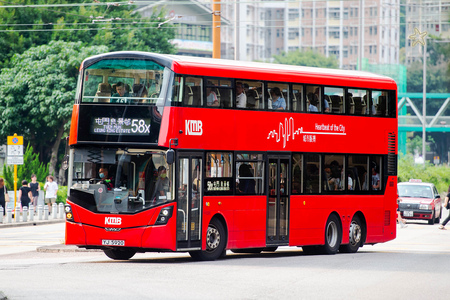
{"type": "Point", "coordinates": [3, 195]}
{"type": "Point", "coordinates": [447, 206]}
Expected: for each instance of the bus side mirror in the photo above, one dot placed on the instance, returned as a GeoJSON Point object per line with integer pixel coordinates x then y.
{"type": "Point", "coordinates": [170, 156]}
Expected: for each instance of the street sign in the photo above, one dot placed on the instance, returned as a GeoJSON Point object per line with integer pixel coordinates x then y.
{"type": "Point", "coordinates": [14, 160]}
{"type": "Point", "coordinates": [15, 150]}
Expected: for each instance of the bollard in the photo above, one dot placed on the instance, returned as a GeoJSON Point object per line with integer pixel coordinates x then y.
{"type": "Point", "coordinates": [17, 212]}
{"type": "Point", "coordinates": [9, 215]}
{"type": "Point", "coordinates": [1, 214]}
{"type": "Point", "coordinates": [31, 213]}
{"type": "Point", "coordinates": [46, 212]}
{"type": "Point", "coordinates": [61, 210]}
{"type": "Point", "coordinates": [54, 211]}
{"type": "Point", "coordinates": [25, 214]}
{"type": "Point", "coordinates": [40, 212]}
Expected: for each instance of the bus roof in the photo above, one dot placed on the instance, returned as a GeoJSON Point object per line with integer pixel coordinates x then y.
{"type": "Point", "coordinates": [200, 66]}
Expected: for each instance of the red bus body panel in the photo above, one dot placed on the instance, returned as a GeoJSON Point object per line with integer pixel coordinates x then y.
{"type": "Point", "coordinates": [273, 131]}
{"type": "Point", "coordinates": [136, 230]}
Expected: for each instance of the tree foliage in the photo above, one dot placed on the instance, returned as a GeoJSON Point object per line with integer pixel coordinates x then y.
{"type": "Point", "coordinates": [437, 70]}
{"type": "Point", "coordinates": [114, 25]}
{"type": "Point", "coordinates": [308, 58]}
{"type": "Point", "coordinates": [31, 165]}
{"type": "Point", "coordinates": [438, 175]}
{"type": "Point", "coordinates": [38, 90]}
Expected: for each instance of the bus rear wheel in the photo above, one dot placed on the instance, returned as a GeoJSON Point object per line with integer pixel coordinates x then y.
{"type": "Point", "coordinates": [215, 242]}
{"type": "Point", "coordinates": [120, 254]}
{"type": "Point", "coordinates": [333, 235]}
{"type": "Point", "coordinates": [355, 237]}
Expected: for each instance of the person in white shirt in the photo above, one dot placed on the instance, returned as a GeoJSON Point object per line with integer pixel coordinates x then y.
{"type": "Point", "coordinates": [241, 98]}
{"type": "Point", "coordinates": [51, 188]}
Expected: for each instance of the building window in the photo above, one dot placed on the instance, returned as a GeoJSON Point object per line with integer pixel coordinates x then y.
{"type": "Point", "coordinates": [293, 14]}
{"type": "Point", "coordinates": [334, 13]}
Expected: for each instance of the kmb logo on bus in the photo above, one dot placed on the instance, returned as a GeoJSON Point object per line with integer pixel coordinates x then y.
{"type": "Point", "coordinates": [113, 221]}
{"type": "Point", "coordinates": [194, 127]}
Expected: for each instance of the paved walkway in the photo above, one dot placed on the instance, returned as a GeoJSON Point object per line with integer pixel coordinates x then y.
{"type": "Point", "coordinates": [29, 223]}
{"type": "Point", "coordinates": [48, 248]}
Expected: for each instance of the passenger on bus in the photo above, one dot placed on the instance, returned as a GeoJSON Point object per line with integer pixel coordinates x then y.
{"type": "Point", "coordinates": [375, 178]}
{"type": "Point", "coordinates": [313, 101]}
{"type": "Point", "coordinates": [140, 91]}
{"type": "Point", "coordinates": [241, 98]}
{"type": "Point", "coordinates": [211, 97]}
{"type": "Point", "coordinates": [326, 105]}
{"type": "Point", "coordinates": [246, 88]}
{"type": "Point", "coordinates": [246, 183]}
{"type": "Point", "coordinates": [162, 186]}
{"type": "Point", "coordinates": [278, 102]}
{"type": "Point", "coordinates": [121, 95]}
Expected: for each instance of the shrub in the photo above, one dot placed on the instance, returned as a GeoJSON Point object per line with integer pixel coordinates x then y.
{"type": "Point", "coordinates": [61, 195]}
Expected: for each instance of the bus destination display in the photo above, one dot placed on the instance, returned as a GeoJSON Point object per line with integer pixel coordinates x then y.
{"type": "Point", "coordinates": [119, 126]}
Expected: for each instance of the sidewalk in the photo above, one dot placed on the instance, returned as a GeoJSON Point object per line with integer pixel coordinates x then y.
{"type": "Point", "coordinates": [64, 248]}
{"type": "Point", "coordinates": [56, 248]}
{"type": "Point", "coordinates": [30, 223]}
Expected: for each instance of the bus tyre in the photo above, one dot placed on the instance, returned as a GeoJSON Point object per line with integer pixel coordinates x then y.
{"type": "Point", "coordinates": [333, 235]}
{"type": "Point", "coordinates": [120, 254]}
{"type": "Point", "coordinates": [215, 242]}
{"type": "Point", "coordinates": [355, 237]}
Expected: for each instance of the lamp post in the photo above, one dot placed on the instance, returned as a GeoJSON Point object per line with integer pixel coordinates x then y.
{"type": "Point", "coordinates": [420, 38]}
{"type": "Point", "coordinates": [424, 100]}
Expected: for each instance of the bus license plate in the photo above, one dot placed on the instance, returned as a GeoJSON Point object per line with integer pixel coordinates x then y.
{"type": "Point", "coordinates": [113, 243]}
{"type": "Point", "coordinates": [408, 213]}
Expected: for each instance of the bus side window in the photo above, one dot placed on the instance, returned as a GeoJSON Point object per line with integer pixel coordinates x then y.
{"type": "Point", "coordinates": [188, 95]}
{"type": "Point", "coordinates": [312, 174]}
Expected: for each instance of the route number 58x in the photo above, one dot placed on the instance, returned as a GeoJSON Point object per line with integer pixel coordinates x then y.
{"type": "Point", "coordinates": [139, 126]}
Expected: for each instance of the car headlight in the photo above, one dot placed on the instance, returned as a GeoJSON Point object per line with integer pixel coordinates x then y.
{"type": "Point", "coordinates": [425, 206]}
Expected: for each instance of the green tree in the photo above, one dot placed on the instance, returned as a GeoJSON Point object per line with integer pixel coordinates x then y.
{"type": "Point", "coordinates": [37, 92]}
{"type": "Point", "coordinates": [100, 23]}
{"type": "Point", "coordinates": [438, 175]}
{"type": "Point", "coordinates": [31, 165]}
{"type": "Point", "coordinates": [306, 58]}
{"type": "Point", "coordinates": [437, 69]}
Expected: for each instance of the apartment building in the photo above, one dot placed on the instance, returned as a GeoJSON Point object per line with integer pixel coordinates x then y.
{"type": "Point", "coordinates": [258, 30]}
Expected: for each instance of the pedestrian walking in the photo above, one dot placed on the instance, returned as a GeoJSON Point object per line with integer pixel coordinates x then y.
{"type": "Point", "coordinates": [25, 194]}
{"type": "Point", "coordinates": [51, 188]}
{"type": "Point", "coordinates": [4, 198]}
{"type": "Point", "coordinates": [35, 188]}
{"type": "Point", "coordinates": [447, 206]}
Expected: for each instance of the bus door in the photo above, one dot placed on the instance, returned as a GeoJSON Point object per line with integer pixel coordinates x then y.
{"type": "Point", "coordinates": [278, 200]}
{"type": "Point", "coordinates": [189, 201]}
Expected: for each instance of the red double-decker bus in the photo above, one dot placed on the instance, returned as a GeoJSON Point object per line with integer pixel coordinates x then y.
{"type": "Point", "coordinates": [171, 153]}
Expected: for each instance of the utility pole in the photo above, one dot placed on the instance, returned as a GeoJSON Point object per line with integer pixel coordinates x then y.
{"type": "Point", "coordinates": [216, 28]}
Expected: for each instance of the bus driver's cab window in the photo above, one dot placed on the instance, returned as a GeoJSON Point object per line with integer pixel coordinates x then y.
{"type": "Point", "coordinates": [139, 179]}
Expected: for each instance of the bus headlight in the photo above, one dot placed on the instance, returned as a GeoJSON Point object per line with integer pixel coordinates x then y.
{"type": "Point", "coordinates": [164, 215]}
{"type": "Point", "coordinates": [68, 211]}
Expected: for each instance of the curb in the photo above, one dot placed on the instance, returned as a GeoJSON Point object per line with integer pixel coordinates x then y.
{"type": "Point", "coordinates": [58, 248]}
{"type": "Point", "coordinates": [33, 223]}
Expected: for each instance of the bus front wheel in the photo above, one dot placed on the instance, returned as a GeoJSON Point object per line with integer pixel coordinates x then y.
{"type": "Point", "coordinates": [215, 242]}
{"type": "Point", "coordinates": [119, 254]}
